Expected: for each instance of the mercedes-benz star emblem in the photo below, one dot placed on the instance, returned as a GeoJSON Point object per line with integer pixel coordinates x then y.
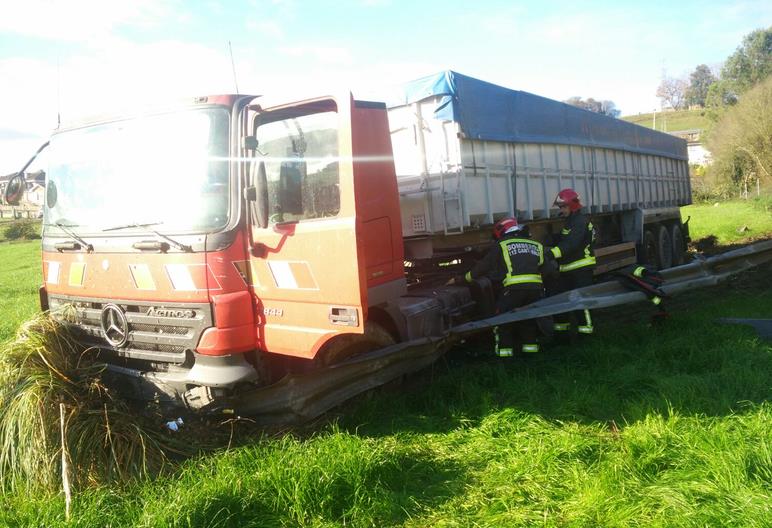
{"type": "Point", "coordinates": [114, 325]}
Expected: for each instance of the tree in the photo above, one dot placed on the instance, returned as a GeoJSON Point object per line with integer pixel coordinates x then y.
{"type": "Point", "coordinates": [699, 83]}
{"type": "Point", "coordinates": [721, 95]}
{"type": "Point", "coordinates": [672, 92]}
{"type": "Point", "coordinates": [751, 63]}
{"type": "Point", "coordinates": [741, 142]}
{"type": "Point", "coordinates": [604, 107]}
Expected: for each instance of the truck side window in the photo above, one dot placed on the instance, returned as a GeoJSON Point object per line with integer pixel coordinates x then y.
{"type": "Point", "coordinates": [300, 152]}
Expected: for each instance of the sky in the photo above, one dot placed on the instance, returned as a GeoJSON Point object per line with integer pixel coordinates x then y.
{"type": "Point", "coordinates": [79, 58]}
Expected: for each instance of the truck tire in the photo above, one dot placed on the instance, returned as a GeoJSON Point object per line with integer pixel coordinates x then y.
{"type": "Point", "coordinates": [664, 248]}
{"type": "Point", "coordinates": [649, 248]}
{"type": "Point", "coordinates": [349, 345]}
{"type": "Point", "coordinates": [679, 245]}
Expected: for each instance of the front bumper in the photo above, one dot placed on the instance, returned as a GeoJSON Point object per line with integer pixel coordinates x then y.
{"type": "Point", "coordinates": [158, 361]}
{"type": "Point", "coordinates": [199, 387]}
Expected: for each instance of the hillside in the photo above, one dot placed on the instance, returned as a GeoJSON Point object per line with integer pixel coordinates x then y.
{"type": "Point", "coordinates": [672, 120]}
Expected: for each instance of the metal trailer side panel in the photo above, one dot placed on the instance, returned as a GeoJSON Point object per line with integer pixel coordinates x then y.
{"type": "Point", "coordinates": [449, 183]}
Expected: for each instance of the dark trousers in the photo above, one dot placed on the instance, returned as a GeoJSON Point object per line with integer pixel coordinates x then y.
{"type": "Point", "coordinates": [526, 331]}
{"type": "Point", "coordinates": [579, 319]}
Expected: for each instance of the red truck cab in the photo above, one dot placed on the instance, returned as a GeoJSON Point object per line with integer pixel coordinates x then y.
{"type": "Point", "coordinates": [193, 246]}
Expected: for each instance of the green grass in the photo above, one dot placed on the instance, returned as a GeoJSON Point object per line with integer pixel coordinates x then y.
{"type": "Point", "coordinates": [20, 278]}
{"type": "Point", "coordinates": [731, 222]}
{"type": "Point", "coordinates": [672, 121]}
{"type": "Point", "coordinates": [663, 425]}
{"type": "Point", "coordinates": [638, 427]}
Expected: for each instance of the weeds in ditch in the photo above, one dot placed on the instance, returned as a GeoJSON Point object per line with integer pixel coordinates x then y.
{"type": "Point", "coordinates": [104, 440]}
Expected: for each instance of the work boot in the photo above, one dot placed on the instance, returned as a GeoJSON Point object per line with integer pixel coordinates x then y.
{"type": "Point", "coordinates": [586, 328]}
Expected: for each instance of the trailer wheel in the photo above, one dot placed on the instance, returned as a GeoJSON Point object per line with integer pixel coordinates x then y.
{"type": "Point", "coordinates": [649, 248]}
{"type": "Point", "coordinates": [349, 345]}
{"type": "Point", "coordinates": [664, 248]}
{"type": "Point", "coordinates": [679, 245]}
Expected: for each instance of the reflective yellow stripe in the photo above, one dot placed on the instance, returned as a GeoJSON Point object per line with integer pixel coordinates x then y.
{"type": "Point", "coordinates": [504, 352]}
{"type": "Point", "coordinates": [656, 300]}
{"type": "Point", "coordinates": [565, 231]}
{"type": "Point", "coordinates": [522, 279]}
{"type": "Point", "coordinates": [581, 263]}
{"type": "Point", "coordinates": [468, 276]}
{"type": "Point", "coordinates": [77, 272]}
{"type": "Point", "coordinates": [585, 329]}
{"type": "Point", "coordinates": [511, 279]}
{"type": "Point", "coordinates": [639, 271]}
{"type": "Point", "coordinates": [561, 327]}
{"type": "Point", "coordinates": [587, 318]}
{"type": "Point", "coordinates": [530, 348]}
{"type": "Point", "coordinates": [556, 252]}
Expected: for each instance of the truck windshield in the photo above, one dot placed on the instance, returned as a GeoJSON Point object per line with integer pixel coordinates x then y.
{"type": "Point", "coordinates": [169, 169]}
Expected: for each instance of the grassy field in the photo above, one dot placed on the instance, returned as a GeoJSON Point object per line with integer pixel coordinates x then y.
{"type": "Point", "coordinates": [671, 121]}
{"type": "Point", "coordinates": [643, 425]}
{"type": "Point", "coordinates": [20, 278]}
{"type": "Point", "coordinates": [730, 222]}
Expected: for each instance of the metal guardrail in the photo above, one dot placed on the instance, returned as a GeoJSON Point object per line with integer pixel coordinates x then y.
{"type": "Point", "coordinates": [302, 397]}
{"type": "Point", "coordinates": [696, 274]}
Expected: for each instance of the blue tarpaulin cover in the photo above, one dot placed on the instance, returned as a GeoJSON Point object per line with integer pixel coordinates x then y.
{"type": "Point", "coordinates": [490, 112]}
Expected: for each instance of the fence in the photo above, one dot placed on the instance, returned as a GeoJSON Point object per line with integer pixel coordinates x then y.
{"type": "Point", "coordinates": [19, 212]}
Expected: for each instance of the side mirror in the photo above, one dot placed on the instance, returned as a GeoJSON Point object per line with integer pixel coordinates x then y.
{"type": "Point", "coordinates": [258, 193]}
{"type": "Point", "coordinates": [14, 189]}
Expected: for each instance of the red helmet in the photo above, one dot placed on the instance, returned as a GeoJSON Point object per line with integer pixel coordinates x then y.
{"type": "Point", "coordinates": [570, 198]}
{"type": "Point", "coordinates": [501, 227]}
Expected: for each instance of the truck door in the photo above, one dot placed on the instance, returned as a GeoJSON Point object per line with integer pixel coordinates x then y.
{"type": "Point", "coordinates": [306, 271]}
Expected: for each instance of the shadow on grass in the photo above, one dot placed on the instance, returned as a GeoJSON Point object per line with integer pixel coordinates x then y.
{"type": "Point", "coordinates": [687, 364]}
{"type": "Point", "coordinates": [387, 492]}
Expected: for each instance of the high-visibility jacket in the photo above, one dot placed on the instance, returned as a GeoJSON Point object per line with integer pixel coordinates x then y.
{"type": "Point", "coordinates": [574, 249]}
{"type": "Point", "coordinates": [511, 262]}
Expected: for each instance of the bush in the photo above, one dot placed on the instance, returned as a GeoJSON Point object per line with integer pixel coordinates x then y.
{"type": "Point", "coordinates": [106, 439]}
{"type": "Point", "coordinates": [22, 229]}
{"type": "Point", "coordinates": [706, 192]}
{"type": "Point", "coordinates": [741, 142]}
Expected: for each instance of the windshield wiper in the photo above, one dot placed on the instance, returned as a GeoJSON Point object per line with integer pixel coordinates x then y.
{"type": "Point", "coordinates": [178, 245]}
{"type": "Point", "coordinates": [69, 232]}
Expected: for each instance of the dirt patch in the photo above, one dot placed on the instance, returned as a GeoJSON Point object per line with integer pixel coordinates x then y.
{"type": "Point", "coordinates": [708, 246]}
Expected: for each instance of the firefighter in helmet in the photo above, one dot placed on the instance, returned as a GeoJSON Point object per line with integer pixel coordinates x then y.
{"type": "Point", "coordinates": [513, 264]}
{"type": "Point", "coordinates": [574, 253]}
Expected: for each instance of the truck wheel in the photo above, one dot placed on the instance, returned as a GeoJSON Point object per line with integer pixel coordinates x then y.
{"type": "Point", "coordinates": [679, 245]}
{"type": "Point", "coordinates": [664, 248]}
{"type": "Point", "coordinates": [349, 345]}
{"type": "Point", "coordinates": [649, 248]}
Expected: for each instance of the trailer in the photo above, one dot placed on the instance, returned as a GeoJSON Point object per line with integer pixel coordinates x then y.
{"type": "Point", "coordinates": [212, 249]}
{"type": "Point", "coordinates": [468, 153]}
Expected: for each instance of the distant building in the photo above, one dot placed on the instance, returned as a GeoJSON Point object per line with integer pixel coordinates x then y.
{"type": "Point", "coordinates": [35, 193]}
{"type": "Point", "coordinates": [698, 154]}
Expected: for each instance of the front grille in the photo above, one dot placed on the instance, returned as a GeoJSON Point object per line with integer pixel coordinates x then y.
{"type": "Point", "coordinates": [150, 337]}
{"type": "Point", "coordinates": [161, 330]}
{"type": "Point", "coordinates": [171, 349]}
